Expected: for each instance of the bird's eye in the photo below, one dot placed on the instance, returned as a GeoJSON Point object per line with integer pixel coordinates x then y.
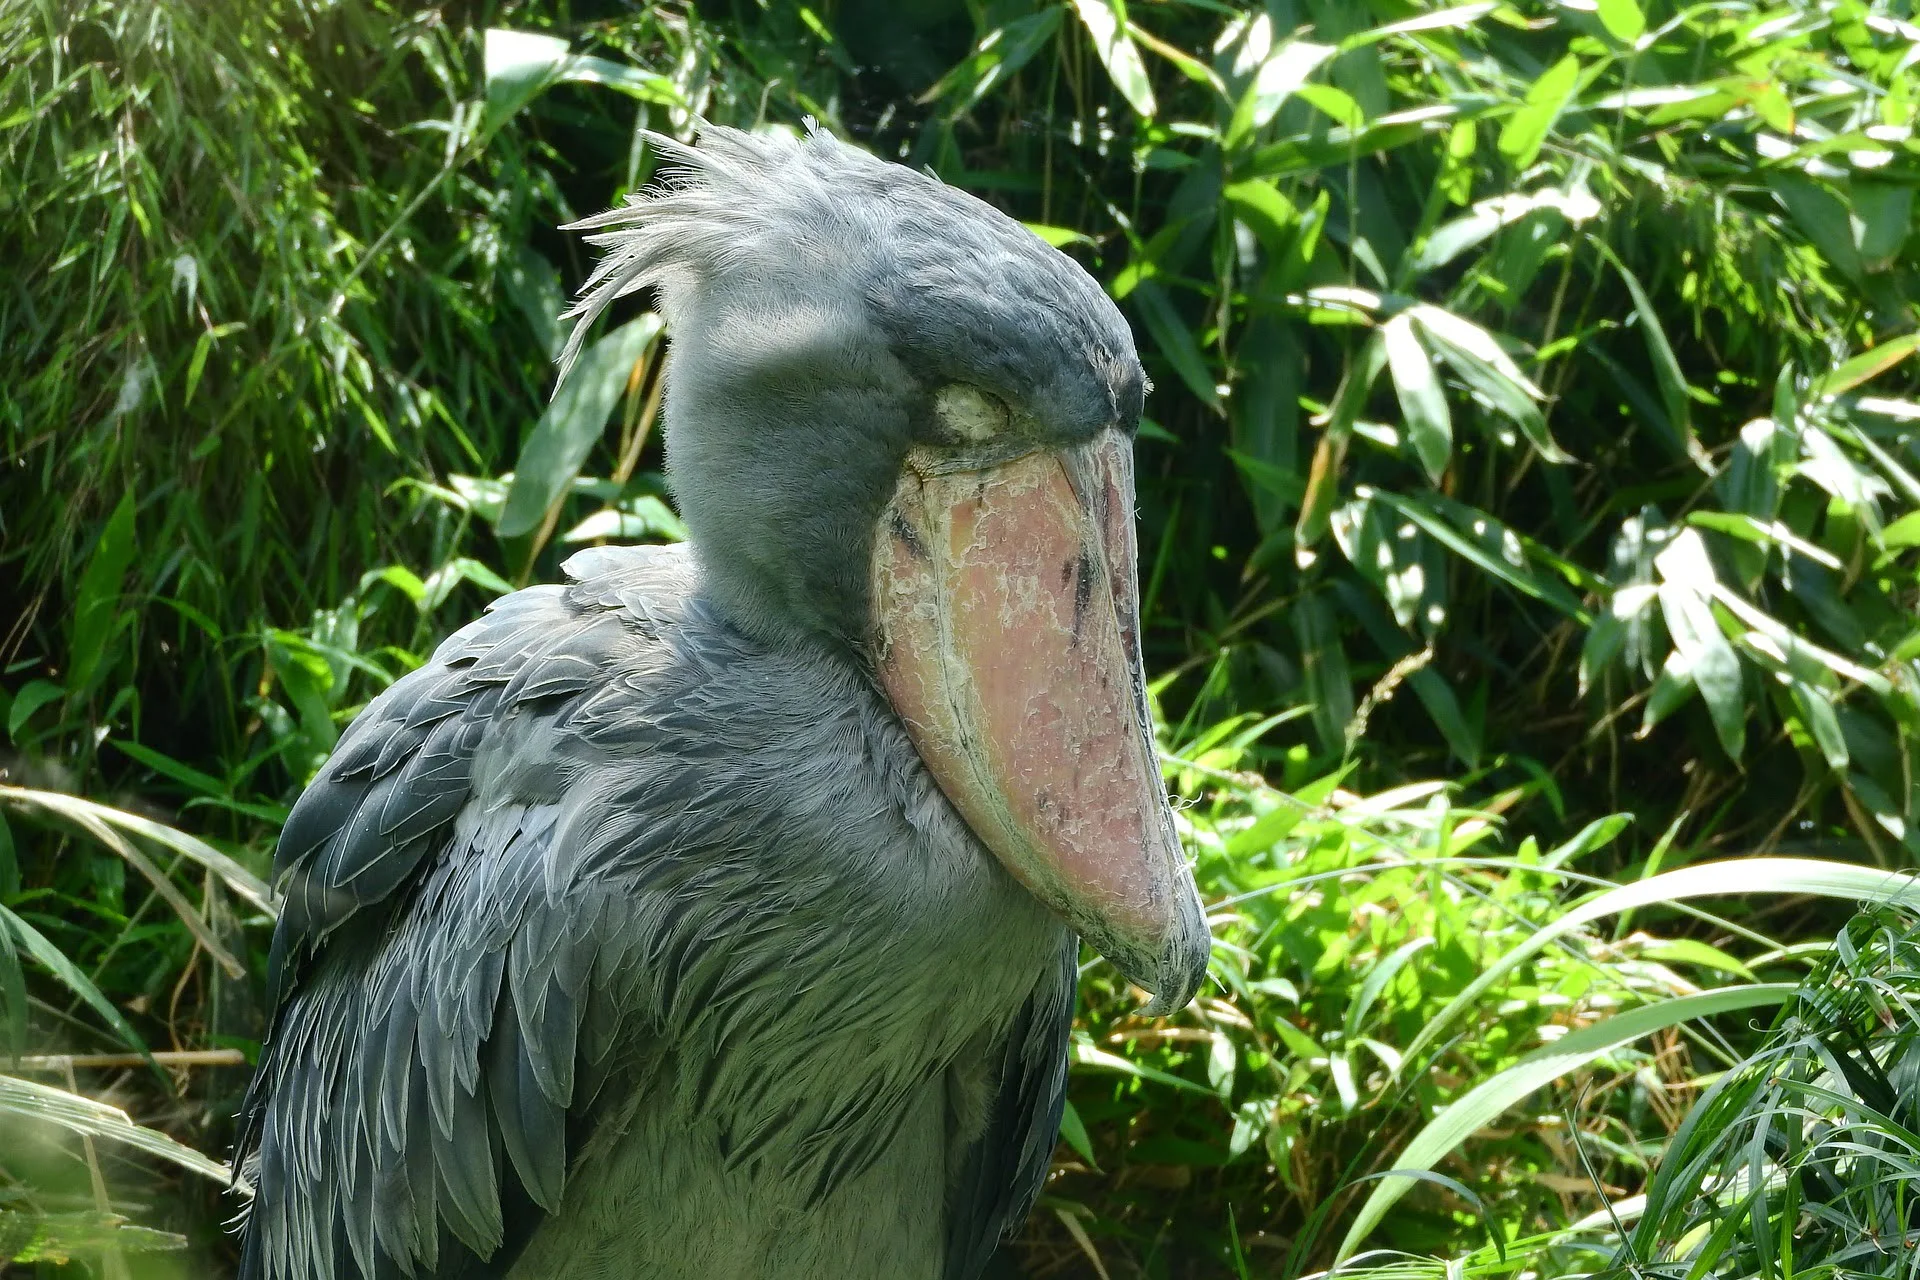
{"type": "Point", "coordinates": [970, 413]}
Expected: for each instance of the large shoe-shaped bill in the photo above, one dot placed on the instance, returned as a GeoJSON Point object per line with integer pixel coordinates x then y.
{"type": "Point", "coordinates": [1006, 607]}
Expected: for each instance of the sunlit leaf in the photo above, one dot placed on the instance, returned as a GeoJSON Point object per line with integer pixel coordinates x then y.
{"type": "Point", "coordinates": [1622, 19]}
{"type": "Point", "coordinates": [1526, 129]}
{"type": "Point", "coordinates": [520, 64]}
{"type": "Point", "coordinates": [572, 424]}
{"type": "Point", "coordinates": [999, 54]}
{"type": "Point", "coordinates": [1279, 76]}
{"type": "Point", "coordinates": [1106, 23]}
{"type": "Point", "coordinates": [1490, 373]}
{"type": "Point", "coordinates": [29, 1101]}
{"type": "Point", "coordinates": [1423, 406]}
{"type": "Point", "coordinates": [1868, 365]}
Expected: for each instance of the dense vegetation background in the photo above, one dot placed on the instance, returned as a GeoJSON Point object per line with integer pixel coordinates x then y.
{"type": "Point", "coordinates": [1530, 507]}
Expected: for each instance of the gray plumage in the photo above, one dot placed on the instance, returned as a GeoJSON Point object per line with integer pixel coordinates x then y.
{"type": "Point", "coordinates": [629, 936]}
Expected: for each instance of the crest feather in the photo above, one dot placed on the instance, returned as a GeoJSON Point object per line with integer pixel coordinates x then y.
{"type": "Point", "coordinates": [709, 208]}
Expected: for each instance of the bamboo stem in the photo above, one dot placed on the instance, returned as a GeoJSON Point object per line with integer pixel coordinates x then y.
{"type": "Point", "coordinates": [173, 1058]}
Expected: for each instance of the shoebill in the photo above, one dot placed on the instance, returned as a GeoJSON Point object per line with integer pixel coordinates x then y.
{"type": "Point", "coordinates": [715, 913]}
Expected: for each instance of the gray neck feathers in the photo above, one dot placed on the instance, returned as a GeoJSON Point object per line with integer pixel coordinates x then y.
{"type": "Point", "coordinates": [784, 434]}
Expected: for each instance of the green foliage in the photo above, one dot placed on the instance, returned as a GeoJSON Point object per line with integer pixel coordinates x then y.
{"type": "Point", "coordinates": [1552, 362]}
{"type": "Point", "coordinates": [1547, 346]}
{"type": "Point", "coordinates": [1804, 1158]}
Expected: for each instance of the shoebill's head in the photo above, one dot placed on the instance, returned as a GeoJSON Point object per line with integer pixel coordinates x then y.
{"type": "Point", "coordinates": [900, 430]}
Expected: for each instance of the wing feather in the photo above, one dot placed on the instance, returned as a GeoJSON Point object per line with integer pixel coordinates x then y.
{"type": "Point", "coordinates": [1005, 1166]}
{"type": "Point", "coordinates": [431, 969]}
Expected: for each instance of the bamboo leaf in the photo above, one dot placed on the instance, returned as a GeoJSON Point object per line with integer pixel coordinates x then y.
{"type": "Point", "coordinates": [1490, 373]}
{"type": "Point", "coordinates": [998, 54]}
{"type": "Point", "coordinates": [1868, 365]}
{"type": "Point", "coordinates": [1279, 77]}
{"type": "Point", "coordinates": [1176, 342]}
{"type": "Point", "coordinates": [1526, 129]}
{"type": "Point", "coordinates": [1666, 366]}
{"type": "Point", "coordinates": [1106, 23]}
{"type": "Point", "coordinates": [96, 603]}
{"type": "Point", "coordinates": [1506, 560]}
{"type": "Point", "coordinates": [571, 426]}
{"type": "Point", "coordinates": [1423, 406]}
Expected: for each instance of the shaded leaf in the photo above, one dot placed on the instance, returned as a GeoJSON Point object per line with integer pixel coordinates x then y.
{"type": "Point", "coordinates": [96, 601]}
{"type": "Point", "coordinates": [1175, 342]}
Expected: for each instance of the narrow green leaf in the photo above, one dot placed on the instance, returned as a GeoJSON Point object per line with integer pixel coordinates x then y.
{"type": "Point", "coordinates": [1176, 342]}
{"type": "Point", "coordinates": [96, 601]}
{"type": "Point", "coordinates": [1085, 1054]}
{"type": "Point", "coordinates": [95, 1119]}
{"type": "Point", "coordinates": [1707, 879]}
{"type": "Point", "coordinates": [1817, 716]}
{"type": "Point", "coordinates": [1278, 78]}
{"type": "Point", "coordinates": [1266, 831]}
{"type": "Point", "coordinates": [1337, 103]}
{"type": "Point", "coordinates": [1666, 366]}
{"type": "Point", "coordinates": [572, 423]}
{"type": "Point", "coordinates": [1106, 23]}
{"type": "Point", "coordinates": [1769, 533]}
{"type": "Point", "coordinates": [1074, 1130]}
{"type": "Point", "coordinates": [1423, 406]}
{"type": "Point", "coordinates": [13, 991]}
{"type": "Point", "coordinates": [1709, 660]}
{"type": "Point", "coordinates": [1508, 564]}
{"type": "Point", "coordinates": [1694, 952]}
{"type": "Point", "coordinates": [1868, 365]}
{"type": "Point", "coordinates": [197, 365]}
{"type": "Point", "coordinates": [1904, 532]}
{"type": "Point", "coordinates": [33, 695]}
{"type": "Point", "coordinates": [1456, 17]}
{"type": "Point", "coordinates": [1481, 363]}
{"type": "Point", "coordinates": [1376, 981]}
{"type": "Point", "coordinates": [1710, 663]}
{"type": "Point", "coordinates": [1303, 1046]}
{"type": "Point", "coordinates": [1324, 661]}
{"type": "Point", "coordinates": [999, 54]}
{"type": "Point", "coordinates": [1526, 129]}
{"type": "Point", "coordinates": [167, 766]}
{"type": "Point", "coordinates": [55, 961]}
{"type": "Point", "coordinates": [1058, 237]}
{"type": "Point", "coordinates": [1270, 215]}
{"type": "Point", "coordinates": [1484, 1103]}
